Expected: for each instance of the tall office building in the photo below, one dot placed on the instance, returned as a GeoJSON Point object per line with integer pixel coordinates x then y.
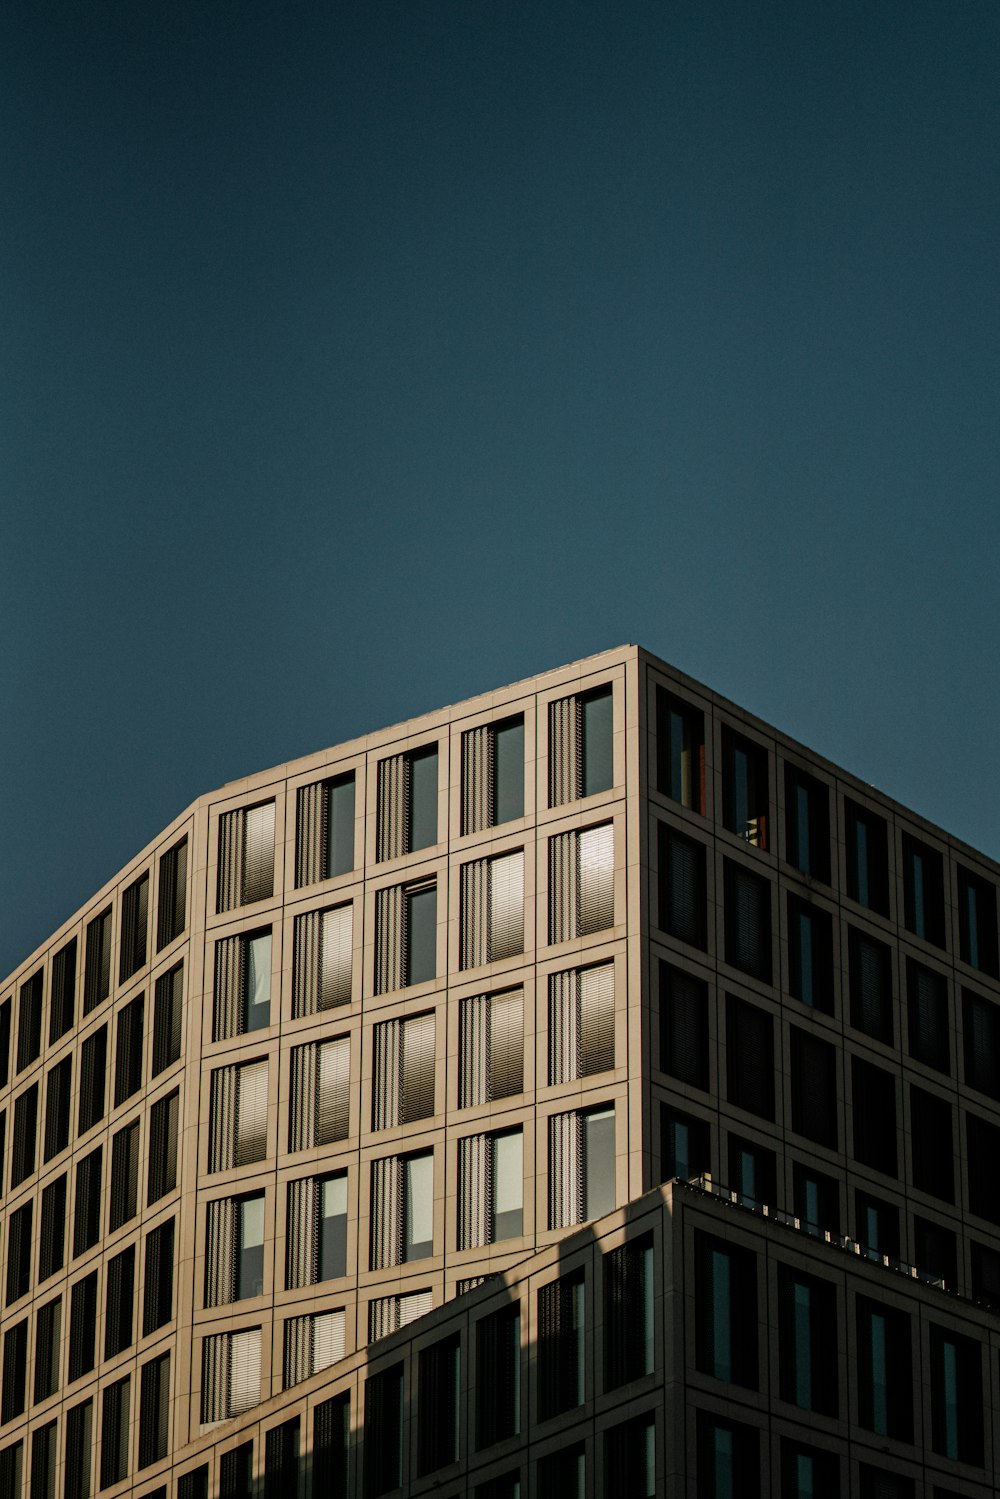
{"type": "Point", "coordinates": [333, 1128]}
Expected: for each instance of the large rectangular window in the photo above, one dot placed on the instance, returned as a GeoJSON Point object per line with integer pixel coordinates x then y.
{"type": "Point", "coordinates": [630, 1459]}
{"type": "Point", "coordinates": [48, 1324]}
{"type": "Point", "coordinates": [57, 1107]}
{"type": "Point", "coordinates": [439, 1404]}
{"type": "Point", "coordinates": [491, 1047]}
{"type": "Point", "coordinates": [498, 1376]}
{"type": "Point", "coordinates": [581, 1166]}
{"type": "Point", "coordinates": [82, 1326]}
{"type": "Point", "coordinates": [870, 978]}
{"type": "Point", "coordinates": [22, 1162]}
{"type": "Point", "coordinates": [407, 803]}
{"type": "Point", "coordinates": [403, 1084]}
{"type": "Point", "coordinates": [581, 1023]}
{"type": "Point", "coordinates": [402, 1209]}
{"type": "Point", "coordinates": [748, 921]}
{"type": "Point", "coordinates": [119, 1331]}
{"type": "Point", "coordinates": [884, 1379]}
{"type": "Point", "coordinates": [983, 1152]}
{"type": "Point", "coordinates": [581, 883]}
{"type": "Point", "coordinates": [492, 775]}
{"type": "Point", "coordinates": [956, 1397]}
{"type": "Point", "coordinates": [931, 1142]}
{"type": "Point", "coordinates": [115, 1432]}
{"type": "Point", "coordinates": [867, 858]}
{"type": "Point", "coordinates": [492, 914]}
{"type": "Point", "coordinates": [135, 929]}
{"type": "Point", "coordinates": [316, 1242]}
{"type": "Point", "coordinates": [324, 830]}
{"type": "Point", "coordinates": [238, 1126]}
{"type": "Point", "coordinates": [87, 1213]}
{"type": "Point", "coordinates": [323, 961]}
{"type": "Point", "coordinates": [171, 914]}
{"type": "Point", "coordinates": [383, 1450]}
{"type": "Point", "coordinates": [981, 1027]}
{"type": "Point", "coordinates": [29, 1020]}
{"type": "Point", "coordinates": [814, 1088]}
{"type": "Point", "coordinates": [726, 1311]}
{"type": "Point", "coordinates": [405, 936]}
{"type": "Point", "coordinates": [749, 1057]}
{"type": "Point", "coordinates": [97, 961]}
{"type": "Point", "coordinates": [128, 1050]}
{"type": "Point", "coordinates": [242, 1000]}
{"type": "Point", "coordinates": [874, 1095]}
{"type": "Point", "coordinates": [680, 751]}
{"type": "Point", "coordinates": [163, 1124]}
{"type": "Point", "coordinates": [923, 891]}
{"type": "Point", "coordinates": [728, 1459]}
{"type": "Point", "coordinates": [230, 1376]}
{"type": "Point", "coordinates": [52, 1246]}
{"type": "Point", "coordinates": [234, 1251]}
{"type": "Point", "coordinates": [744, 788]}
{"type": "Point", "coordinates": [581, 761]}
{"type": "Point", "coordinates": [683, 887]}
{"type": "Point", "coordinates": [490, 1188]}
{"type": "Point", "coordinates": [158, 1282]}
{"type": "Point", "coordinates": [627, 1274]}
{"type": "Point", "coordinates": [313, 1343]}
{"type": "Point", "coordinates": [807, 1341]}
{"type": "Point", "coordinates": [154, 1410]}
{"type": "Point", "coordinates": [810, 955]}
{"type": "Point", "coordinates": [93, 1075]}
{"type": "Point", "coordinates": [246, 856]}
{"type": "Point", "coordinates": [320, 1105]}
{"type": "Point", "coordinates": [19, 1247]}
{"type": "Point", "coordinates": [684, 1027]}
{"type": "Point", "coordinates": [928, 1019]}
{"type": "Point", "coordinates": [167, 1017]}
{"type": "Point", "coordinates": [977, 922]}
{"type": "Point", "coordinates": [62, 1001]}
{"type": "Point", "coordinates": [561, 1346]}
{"type": "Point", "coordinates": [124, 1176]}
{"type": "Point", "coordinates": [685, 1145]}
{"type": "Point", "coordinates": [807, 824]}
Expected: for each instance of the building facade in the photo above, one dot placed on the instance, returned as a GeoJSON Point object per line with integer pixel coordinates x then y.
{"type": "Point", "coordinates": [337, 1066]}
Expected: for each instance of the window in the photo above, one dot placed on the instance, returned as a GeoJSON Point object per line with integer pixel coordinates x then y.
{"type": "Point", "coordinates": [124, 1176]}
{"type": "Point", "coordinates": [728, 1459]}
{"type": "Point", "coordinates": [403, 1085]}
{"type": "Point", "coordinates": [246, 856]}
{"type": "Point", "coordinates": [876, 1483]}
{"type": "Point", "coordinates": [492, 775]}
{"type": "Point", "coordinates": [47, 1323]}
{"type": "Point", "coordinates": [316, 1232]}
{"type": "Point", "coordinates": [402, 1209]}
{"type": "Point", "coordinates": [234, 1251]}
{"type": "Point", "coordinates": [119, 1332]}
{"type": "Point", "coordinates": [163, 1117]}
{"type": "Point", "coordinates": [685, 1145]}
{"type": "Point", "coordinates": [581, 1166]}
{"type": "Point", "coordinates": [983, 1142]}
{"type": "Point", "coordinates": [684, 1027]}
{"type": "Point", "coordinates": [683, 887]}
{"type": "Point", "coordinates": [867, 858]}
{"type": "Point", "coordinates": [810, 955]}
{"type": "Point", "coordinates": [239, 1116]}
{"type": "Point", "coordinates": [158, 1282]}
{"type": "Point", "coordinates": [438, 1408]}
{"type": "Point", "coordinates": [927, 1008]}
{"type": "Point", "coordinates": [935, 1252]}
{"type": "Point", "coordinates": [15, 1357]}
{"type": "Point", "coordinates": [752, 1172]}
{"type": "Point", "coordinates": [312, 1343]}
{"type": "Point", "coordinates": [405, 936]}
{"type": "Point", "coordinates": [627, 1274]}
{"type": "Point", "coordinates": [323, 962]}
{"type": "Point", "coordinates": [814, 1088]}
{"type": "Point", "coordinates": [154, 1410]}
{"type": "Point", "coordinates": [748, 921]}
{"type": "Point", "coordinates": [490, 1188]}
{"type": "Point", "coordinates": [383, 1450]}
{"type": "Point", "coordinates": [387, 1314]}
{"type": "Point", "coordinates": [52, 1245]}
{"type": "Point", "coordinates": [5, 1043]}
{"type": "Point", "coordinates": [807, 824]}
{"type": "Point", "coordinates": [115, 1432]}
{"type": "Point", "coordinates": [135, 913]}
{"type": "Point", "coordinates": [816, 1200]}
{"type": "Point", "coordinates": [93, 1071]}
{"type": "Point", "coordinates": [281, 1460]}
{"type": "Point", "coordinates": [11, 1464]}
{"type": "Point", "coordinates": [581, 883]}
{"type": "Point", "coordinates": [407, 803]}
{"type": "Point", "coordinates": [744, 788]}
{"type": "Point", "coordinates": [750, 1057]}
{"type": "Point", "coordinates": [977, 922]}
{"type": "Point", "coordinates": [57, 1102]}
{"type": "Point", "coordinates": [29, 1021]}
{"type": "Point", "coordinates": [82, 1326]}
{"type": "Point", "coordinates": [193, 1485]}
{"type": "Point", "coordinates": [79, 1440]}
{"type": "Point", "coordinates": [581, 1023]}
{"type": "Point", "coordinates": [807, 1341]}
{"type": "Point", "coordinates": [726, 1311]}
{"type": "Point", "coordinates": [43, 1461]}
{"type": "Point", "coordinates": [931, 1137]}
{"type": "Point", "coordinates": [171, 914]}
{"type": "Point", "coordinates": [580, 746]}
{"type": "Point", "coordinates": [492, 909]}
{"type": "Point", "coordinates": [331, 1445]}
{"type": "Point", "coordinates": [630, 1459]}
{"type": "Point", "coordinates": [97, 964]}
{"type": "Point", "coordinates": [923, 891]}
{"type": "Point", "coordinates": [883, 1377]}
{"type": "Point", "coordinates": [128, 1050]}
{"type": "Point", "coordinates": [981, 1027]}
{"type": "Point", "coordinates": [167, 1002]}
{"type": "Point", "coordinates": [87, 1219]}
{"type": "Point", "coordinates": [22, 1162]}
{"type": "Point", "coordinates": [956, 1397]}
{"type": "Point", "coordinates": [870, 977]}
{"type": "Point", "coordinates": [324, 830]}
{"type": "Point", "coordinates": [320, 1108]}
{"type": "Point", "coordinates": [985, 1276]}
{"type": "Point", "coordinates": [562, 1348]}
{"type": "Point", "coordinates": [62, 1001]}
{"type": "Point", "coordinates": [242, 984]}
{"type": "Point", "coordinates": [680, 751]}
{"type": "Point", "coordinates": [874, 1092]}
{"type": "Point", "coordinates": [564, 1472]}
{"type": "Point", "coordinates": [498, 1376]}
{"type": "Point", "coordinates": [19, 1252]}
{"type": "Point", "coordinates": [491, 1047]}
{"type": "Point", "coordinates": [230, 1377]}
{"type": "Point", "coordinates": [808, 1473]}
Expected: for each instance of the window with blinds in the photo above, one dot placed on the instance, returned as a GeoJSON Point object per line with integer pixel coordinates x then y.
{"type": "Point", "coordinates": [115, 1432]}
{"type": "Point", "coordinates": [387, 1314]}
{"type": "Point", "coordinates": [324, 830]}
{"type": "Point", "coordinates": [82, 1326]}
{"type": "Point", "coordinates": [981, 1028]}
{"type": "Point", "coordinates": [171, 912]}
{"type": "Point", "coordinates": [97, 962]}
{"type": "Point", "coordinates": [238, 1125]}
{"type": "Point", "coordinates": [194, 1484]}
{"type": "Point", "coordinates": [135, 922]}
{"type": "Point", "coordinates": [684, 1027]}
{"type": "Point", "coordinates": [87, 1210]}
{"type": "Point", "coordinates": [323, 960]}
{"type": "Point", "coordinates": [492, 918]}
{"type": "Point", "coordinates": [581, 1166]}
{"type": "Point", "coordinates": [870, 980]}
{"type": "Point", "coordinates": [158, 1281]}
{"type": "Point", "coordinates": [242, 999]}
{"type": "Point", "coordinates": [927, 1016]}
{"type": "Point", "coordinates": [814, 1088]}
{"type": "Point", "coordinates": [79, 1441]}
{"type": "Point", "coordinates": [58, 1096]}
{"type": "Point", "coordinates": [15, 1358]}
{"type": "Point", "coordinates": [234, 1249]}
{"type": "Point", "coordinates": [230, 1379]}
{"type": "Point", "coordinates": [128, 1049]}
{"type": "Point", "coordinates": [383, 1448]}
{"type": "Point", "coordinates": [630, 1458]}
{"type": "Point", "coordinates": [22, 1162]}
{"type": "Point", "coordinates": [438, 1404]}
{"type": "Point", "coordinates": [581, 883]}
{"type": "Point", "coordinates": [581, 1022]}
{"type": "Point", "coordinates": [561, 1345]}
{"type": "Point", "coordinates": [29, 1020]}
{"type": "Point", "coordinates": [119, 1320]}
{"type": "Point", "coordinates": [43, 1461]}
{"type": "Point", "coordinates": [168, 998]}
{"type": "Point", "coordinates": [405, 936]}
{"type": "Point", "coordinates": [331, 1445]}
{"type": "Point", "coordinates": [749, 1057]}
{"type": "Point", "coordinates": [402, 1209]}
{"type": "Point", "coordinates": [682, 887]}
{"type": "Point", "coordinates": [316, 1230]}
{"type": "Point", "coordinates": [748, 921]}
{"type": "Point", "coordinates": [627, 1275]}
{"type": "Point", "coordinates": [491, 1047]}
{"type": "Point", "coordinates": [62, 1001]}
{"type": "Point", "coordinates": [163, 1122]}
{"type": "Point", "coordinates": [320, 1108]}
{"type": "Point", "coordinates": [490, 1188]}
{"type": "Point", "coordinates": [407, 803]}
{"type": "Point", "coordinates": [124, 1176]}
{"type": "Point", "coordinates": [685, 1145]}
{"type": "Point", "coordinates": [874, 1096]}
{"type": "Point", "coordinates": [492, 775]}
{"type": "Point", "coordinates": [581, 761]}
{"type": "Point", "coordinates": [52, 1242]}
{"type": "Point", "coordinates": [246, 856]}
{"type": "Point", "coordinates": [5, 1020]}
{"type": "Point", "coordinates": [313, 1343]}
{"type": "Point", "coordinates": [11, 1467]}
{"type": "Point", "coordinates": [154, 1410]}
{"type": "Point", "coordinates": [19, 1252]}
{"type": "Point", "coordinates": [403, 1083]}
{"type": "Point", "coordinates": [498, 1381]}
{"type": "Point", "coordinates": [93, 1072]}
{"type": "Point", "coordinates": [281, 1460]}
{"type": "Point", "coordinates": [236, 1473]}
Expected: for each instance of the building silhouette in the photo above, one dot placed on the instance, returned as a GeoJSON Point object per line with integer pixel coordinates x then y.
{"type": "Point", "coordinates": [584, 1089]}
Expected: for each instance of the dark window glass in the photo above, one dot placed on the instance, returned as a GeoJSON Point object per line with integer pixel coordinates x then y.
{"type": "Point", "coordinates": [420, 915]}
{"type": "Point", "coordinates": [158, 1284]}
{"type": "Point", "coordinates": [927, 1015]}
{"type": "Point", "coordinates": [810, 955]}
{"type": "Point", "coordinates": [162, 1148]}
{"type": "Point", "coordinates": [884, 1378]}
{"type": "Point", "coordinates": [15, 1359]}
{"type": "Point", "coordinates": [57, 1104]}
{"type": "Point", "coordinates": [985, 1276]}
{"type": "Point", "coordinates": [935, 1252]}
{"type": "Point", "coordinates": [877, 1228]}
{"type": "Point", "coordinates": [115, 1432]}
{"type": "Point", "coordinates": [5, 1010]}
{"type": "Point", "coordinates": [128, 1050]}
{"type": "Point", "coordinates": [685, 1145]}
{"type": "Point", "coordinates": [249, 1246]}
{"type": "Point", "coordinates": [596, 761]}
{"type": "Point", "coordinates": [629, 1460]}
{"type": "Point", "coordinates": [807, 824]}
{"type": "Point", "coordinates": [124, 1176]}
{"type": "Point", "coordinates": [752, 1172]}
{"type": "Point", "coordinates": [167, 1001]}
{"type": "Point", "coordinates": [809, 1473]}
{"type": "Point", "coordinates": [977, 922]}
{"type": "Point", "coordinates": [438, 1411]}
{"type": "Point", "coordinates": [814, 1088]}
{"type": "Point", "coordinates": [93, 1070]}
{"type": "Point", "coordinates": [193, 1485]}
{"type": "Point", "coordinates": [62, 1001]}
{"type": "Point", "coordinates": [52, 1245]}
{"type": "Point", "coordinates": [19, 1252]}
{"type": "Point", "coordinates": [11, 1464]}
{"type": "Point", "coordinates": [683, 1027]}
{"type": "Point", "coordinates": [923, 891]}
{"type": "Point", "coordinates": [878, 1483]}
{"type": "Point", "coordinates": [680, 751]}
{"type": "Point", "coordinates": [118, 1306]}
{"type": "Point", "coordinates": [97, 963]}
{"type": "Point", "coordinates": [154, 1410]}
{"type": "Point", "coordinates": [22, 1162]}
{"type": "Point", "coordinates": [236, 1473]}
{"type": "Point", "coordinates": [87, 1216]}
{"type": "Point", "coordinates": [423, 799]}
{"type": "Point", "coordinates": [498, 1376]}
{"type": "Point", "coordinates": [79, 1438]}
{"type": "Point", "coordinates": [29, 1021]}
{"type": "Point", "coordinates": [82, 1326]}
{"type": "Point", "coordinates": [564, 1472]}
{"type": "Point", "coordinates": [983, 1142]}
{"type": "Point", "coordinates": [135, 922]}
{"type": "Point", "coordinates": [748, 921]}
{"type": "Point", "coordinates": [331, 1446]}
{"type": "Point", "coordinates": [728, 1459]}
{"type": "Point", "coordinates": [744, 788]}
{"type": "Point", "coordinates": [867, 859]}
{"type": "Point", "coordinates": [340, 825]}
{"type": "Point", "coordinates": [956, 1397]}
{"type": "Point", "coordinates": [683, 909]}
{"type": "Point", "coordinates": [508, 771]}
{"type": "Point", "coordinates": [749, 1057]}
{"type": "Point", "coordinates": [981, 1027]}
{"type": "Point", "coordinates": [874, 1095]}
{"type": "Point", "coordinates": [171, 914]}
{"type": "Point", "coordinates": [726, 1311]}
{"type": "Point", "coordinates": [628, 1312]}
{"type": "Point", "coordinates": [931, 1137]}
{"type": "Point", "coordinates": [817, 1199]}
{"type": "Point", "coordinates": [281, 1460]}
{"type": "Point", "coordinates": [807, 1341]}
{"type": "Point", "coordinates": [561, 1346]}
{"type": "Point", "coordinates": [870, 970]}
{"type": "Point", "coordinates": [383, 1448]}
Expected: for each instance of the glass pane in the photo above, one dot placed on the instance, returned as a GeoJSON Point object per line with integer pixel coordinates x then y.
{"type": "Point", "coordinates": [340, 840]}
{"type": "Point", "coordinates": [421, 935]}
{"type": "Point", "coordinates": [597, 770]}
{"type": "Point", "coordinates": [333, 1228]}
{"type": "Point", "coordinates": [508, 1189]}
{"type": "Point", "coordinates": [418, 1194]}
{"type": "Point", "coordinates": [251, 1237]}
{"type": "Point", "coordinates": [508, 770]}
{"type": "Point", "coordinates": [258, 981]}
{"type": "Point", "coordinates": [423, 799]}
{"type": "Point", "coordinates": [599, 1163]}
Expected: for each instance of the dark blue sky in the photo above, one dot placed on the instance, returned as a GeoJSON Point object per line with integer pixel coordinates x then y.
{"type": "Point", "coordinates": [359, 356]}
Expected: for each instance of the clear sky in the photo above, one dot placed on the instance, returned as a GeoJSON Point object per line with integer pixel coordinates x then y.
{"type": "Point", "coordinates": [361, 355]}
